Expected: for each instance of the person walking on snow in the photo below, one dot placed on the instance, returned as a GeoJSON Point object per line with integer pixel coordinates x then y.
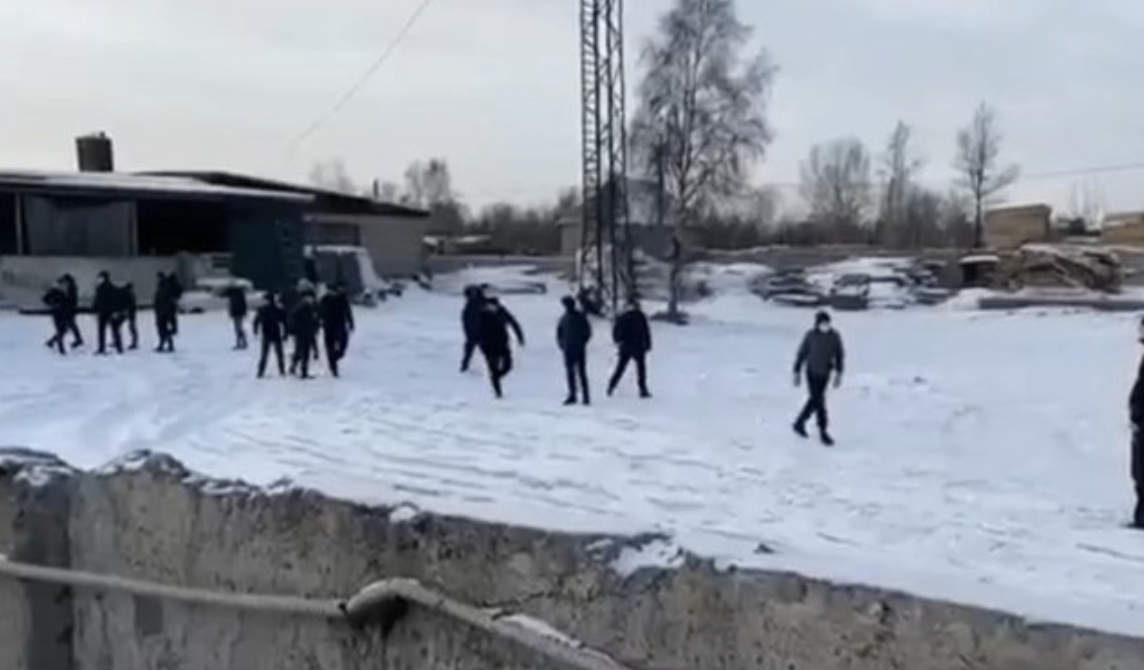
{"type": "Point", "coordinates": [337, 317]}
{"type": "Point", "coordinates": [493, 341]}
{"type": "Point", "coordinates": [304, 326]}
{"type": "Point", "coordinates": [820, 355]}
{"type": "Point", "coordinates": [471, 323]}
{"type": "Point", "coordinates": [56, 301]}
{"type": "Point", "coordinates": [129, 313]}
{"type": "Point", "coordinates": [71, 309]}
{"type": "Point", "coordinates": [106, 305]}
{"type": "Point", "coordinates": [166, 306]}
{"type": "Point", "coordinates": [270, 326]}
{"type": "Point", "coordinates": [237, 308]}
{"type": "Point", "coordinates": [572, 336]}
{"type": "Point", "coordinates": [632, 335]}
{"type": "Point", "coordinates": [1136, 414]}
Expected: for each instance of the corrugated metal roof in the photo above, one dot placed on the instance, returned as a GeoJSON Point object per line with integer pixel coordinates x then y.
{"type": "Point", "coordinates": [137, 184]}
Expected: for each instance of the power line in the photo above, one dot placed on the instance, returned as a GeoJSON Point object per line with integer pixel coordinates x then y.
{"type": "Point", "coordinates": [363, 79]}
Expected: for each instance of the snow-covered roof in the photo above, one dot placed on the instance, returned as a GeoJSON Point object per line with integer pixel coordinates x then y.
{"type": "Point", "coordinates": [135, 183]}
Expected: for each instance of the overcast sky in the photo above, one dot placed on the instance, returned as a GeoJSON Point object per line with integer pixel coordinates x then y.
{"type": "Point", "coordinates": [492, 85]}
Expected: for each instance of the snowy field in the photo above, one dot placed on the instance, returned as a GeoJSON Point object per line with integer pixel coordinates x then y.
{"type": "Point", "coordinates": [980, 457]}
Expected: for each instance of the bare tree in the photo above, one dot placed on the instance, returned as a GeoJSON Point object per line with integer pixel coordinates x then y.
{"type": "Point", "coordinates": [835, 182]}
{"type": "Point", "coordinates": [897, 169]}
{"type": "Point", "coordinates": [701, 121]}
{"type": "Point", "coordinates": [978, 159]}
{"type": "Point", "coordinates": [333, 175]}
{"type": "Point", "coordinates": [429, 185]}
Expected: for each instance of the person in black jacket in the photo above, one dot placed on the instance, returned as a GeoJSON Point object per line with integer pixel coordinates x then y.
{"type": "Point", "coordinates": [632, 335]}
{"type": "Point", "coordinates": [493, 341]}
{"type": "Point", "coordinates": [166, 305]}
{"type": "Point", "coordinates": [106, 305]}
{"type": "Point", "coordinates": [71, 308]}
{"type": "Point", "coordinates": [236, 308]}
{"type": "Point", "coordinates": [572, 336]}
{"type": "Point", "coordinates": [56, 301]}
{"type": "Point", "coordinates": [471, 323]}
{"type": "Point", "coordinates": [337, 317]}
{"type": "Point", "coordinates": [304, 325]}
{"type": "Point", "coordinates": [1136, 415]}
{"type": "Point", "coordinates": [129, 313]}
{"type": "Point", "coordinates": [821, 355]}
{"type": "Point", "coordinates": [270, 325]}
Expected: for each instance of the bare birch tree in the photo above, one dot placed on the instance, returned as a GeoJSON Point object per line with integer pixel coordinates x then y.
{"type": "Point", "coordinates": [978, 162]}
{"type": "Point", "coordinates": [701, 120]}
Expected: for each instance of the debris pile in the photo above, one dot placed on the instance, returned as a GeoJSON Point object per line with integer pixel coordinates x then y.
{"type": "Point", "coordinates": [1063, 266]}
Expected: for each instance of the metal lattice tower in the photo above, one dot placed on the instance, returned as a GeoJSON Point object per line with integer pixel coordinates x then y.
{"type": "Point", "coordinates": [605, 259]}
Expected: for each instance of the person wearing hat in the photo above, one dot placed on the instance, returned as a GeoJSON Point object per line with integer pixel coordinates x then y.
{"type": "Point", "coordinates": [1136, 414]}
{"type": "Point", "coordinates": [632, 335]}
{"type": "Point", "coordinates": [573, 333]}
{"type": "Point", "coordinates": [820, 356]}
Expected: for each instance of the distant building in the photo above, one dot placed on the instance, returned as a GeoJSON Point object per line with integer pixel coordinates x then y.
{"type": "Point", "coordinates": [392, 234]}
{"type": "Point", "coordinates": [196, 224]}
{"type": "Point", "coordinates": [1123, 228]}
{"type": "Point", "coordinates": [1011, 226]}
{"type": "Point", "coordinates": [643, 216]}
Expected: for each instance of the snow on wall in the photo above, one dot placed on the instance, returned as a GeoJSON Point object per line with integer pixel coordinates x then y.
{"type": "Point", "coordinates": [639, 600]}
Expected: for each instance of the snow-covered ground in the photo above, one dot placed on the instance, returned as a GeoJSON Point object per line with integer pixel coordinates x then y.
{"type": "Point", "coordinates": [981, 457]}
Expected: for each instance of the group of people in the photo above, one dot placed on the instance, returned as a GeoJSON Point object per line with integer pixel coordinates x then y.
{"type": "Point", "coordinates": [331, 315]}
{"type": "Point", "coordinates": [489, 327]}
{"type": "Point", "coordinates": [115, 306]}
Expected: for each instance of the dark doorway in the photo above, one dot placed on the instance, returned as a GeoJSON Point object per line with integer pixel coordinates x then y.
{"type": "Point", "coordinates": [168, 227]}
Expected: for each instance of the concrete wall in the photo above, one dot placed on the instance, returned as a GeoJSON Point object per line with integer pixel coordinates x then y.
{"type": "Point", "coordinates": [23, 279]}
{"type": "Point", "coordinates": [157, 521]}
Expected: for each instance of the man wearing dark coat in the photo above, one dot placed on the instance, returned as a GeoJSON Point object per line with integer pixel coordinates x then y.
{"type": "Point", "coordinates": [71, 308]}
{"type": "Point", "coordinates": [55, 299]}
{"type": "Point", "coordinates": [304, 325]}
{"type": "Point", "coordinates": [493, 341]}
{"type": "Point", "coordinates": [236, 309]}
{"type": "Point", "coordinates": [1136, 459]}
{"type": "Point", "coordinates": [821, 355]}
{"type": "Point", "coordinates": [471, 323]}
{"type": "Point", "coordinates": [107, 304]}
{"type": "Point", "coordinates": [573, 333]}
{"type": "Point", "coordinates": [270, 326]}
{"type": "Point", "coordinates": [165, 303]}
{"type": "Point", "coordinates": [632, 335]}
{"type": "Point", "coordinates": [337, 317]}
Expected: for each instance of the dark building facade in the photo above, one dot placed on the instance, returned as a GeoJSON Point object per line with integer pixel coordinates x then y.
{"type": "Point", "coordinates": [118, 216]}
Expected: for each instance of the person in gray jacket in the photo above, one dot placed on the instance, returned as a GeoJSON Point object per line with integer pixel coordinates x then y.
{"type": "Point", "coordinates": [820, 355]}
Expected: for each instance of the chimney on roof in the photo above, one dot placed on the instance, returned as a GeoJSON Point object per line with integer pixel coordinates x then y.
{"type": "Point", "coordinates": [94, 153]}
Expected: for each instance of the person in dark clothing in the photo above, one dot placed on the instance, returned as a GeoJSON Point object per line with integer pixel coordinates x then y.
{"type": "Point", "coordinates": [493, 340]}
{"type": "Point", "coordinates": [1136, 461]}
{"type": "Point", "coordinates": [56, 301]}
{"type": "Point", "coordinates": [471, 323]}
{"type": "Point", "coordinates": [820, 355]}
{"type": "Point", "coordinates": [71, 308]}
{"type": "Point", "coordinates": [337, 317]}
{"type": "Point", "coordinates": [270, 326]}
{"type": "Point", "coordinates": [166, 306]}
{"type": "Point", "coordinates": [236, 308]}
{"type": "Point", "coordinates": [106, 305]}
{"type": "Point", "coordinates": [632, 335]}
{"type": "Point", "coordinates": [304, 325]}
{"type": "Point", "coordinates": [129, 313]}
{"type": "Point", "coordinates": [572, 336]}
